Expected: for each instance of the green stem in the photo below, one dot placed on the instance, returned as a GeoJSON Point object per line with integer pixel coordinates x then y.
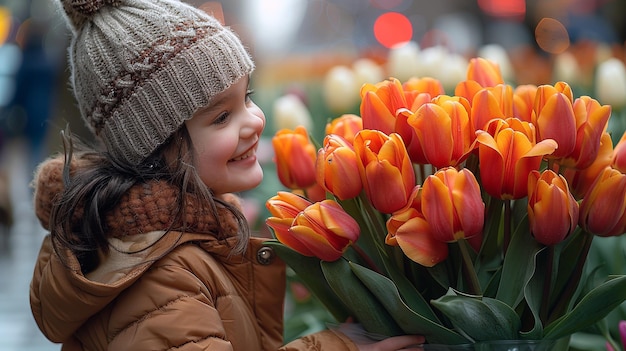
{"type": "Point", "coordinates": [366, 258]}
{"type": "Point", "coordinates": [547, 282]}
{"type": "Point", "coordinates": [469, 273]}
{"type": "Point", "coordinates": [507, 226]}
{"type": "Point", "coordinates": [572, 283]}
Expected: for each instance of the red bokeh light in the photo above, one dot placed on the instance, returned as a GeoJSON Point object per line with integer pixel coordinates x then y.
{"type": "Point", "coordinates": [392, 28]}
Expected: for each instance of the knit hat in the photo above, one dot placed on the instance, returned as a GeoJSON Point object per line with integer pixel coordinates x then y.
{"type": "Point", "coordinates": [140, 68]}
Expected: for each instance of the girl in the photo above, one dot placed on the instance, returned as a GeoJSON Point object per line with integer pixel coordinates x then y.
{"type": "Point", "coordinates": [148, 248]}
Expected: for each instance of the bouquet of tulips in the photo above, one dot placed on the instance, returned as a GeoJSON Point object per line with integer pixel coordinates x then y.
{"type": "Point", "coordinates": [464, 217]}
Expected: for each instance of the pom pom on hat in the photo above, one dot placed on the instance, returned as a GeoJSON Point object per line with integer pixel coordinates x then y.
{"type": "Point", "coordinates": [140, 68]}
{"type": "Point", "coordinates": [80, 11]}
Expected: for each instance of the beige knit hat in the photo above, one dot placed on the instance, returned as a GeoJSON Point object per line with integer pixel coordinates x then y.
{"type": "Point", "coordinates": [140, 68]}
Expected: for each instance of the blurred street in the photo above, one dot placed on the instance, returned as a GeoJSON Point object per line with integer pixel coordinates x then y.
{"type": "Point", "coordinates": [18, 250]}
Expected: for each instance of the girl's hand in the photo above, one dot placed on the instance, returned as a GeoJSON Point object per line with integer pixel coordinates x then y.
{"type": "Point", "coordinates": [404, 342]}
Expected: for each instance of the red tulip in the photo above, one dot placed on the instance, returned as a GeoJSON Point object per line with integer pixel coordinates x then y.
{"type": "Point", "coordinates": [295, 158]}
{"type": "Point", "coordinates": [552, 209]}
{"type": "Point", "coordinates": [556, 120]}
{"type": "Point", "coordinates": [385, 168]}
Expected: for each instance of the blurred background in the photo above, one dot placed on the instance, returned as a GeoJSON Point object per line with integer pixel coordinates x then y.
{"type": "Point", "coordinates": [311, 56]}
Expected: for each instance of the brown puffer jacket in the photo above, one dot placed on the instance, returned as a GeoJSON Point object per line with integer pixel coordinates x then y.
{"type": "Point", "coordinates": [158, 290]}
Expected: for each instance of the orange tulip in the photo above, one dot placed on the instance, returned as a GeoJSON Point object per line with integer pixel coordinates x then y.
{"type": "Point", "coordinates": [580, 180]}
{"type": "Point", "coordinates": [346, 126]}
{"type": "Point", "coordinates": [485, 107]}
{"type": "Point", "coordinates": [508, 156]}
{"type": "Point", "coordinates": [409, 229]}
{"type": "Point", "coordinates": [428, 85]}
{"type": "Point", "coordinates": [385, 168]}
{"type": "Point", "coordinates": [619, 155]}
{"type": "Point", "coordinates": [556, 120]}
{"type": "Point", "coordinates": [552, 209]}
{"type": "Point", "coordinates": [407, 132]}
{"type": "Point", "coordinates": [602, 209]}
{"type": "Point", "coordinates": [380, 103]}
{"type": "Point", "coordinates": [591, 123]}
{"type": "Point", "coordinates": [336, 168]}
{"type": "Point", "coordinates": [452, 205]}
{"type": "Point", "coordinates": [485, 72]}
{"type": "Point", "coordinates": [523, 102]}
{"type": "Point", "coordinates": [284, 207]}
{"type": "Point", "coordinates": [467, 89]}
{"type": "Point", "coordinates": [294, 158]}
{"type": "Point", "coordinates": [444, 131]}
{"type": "Point", "coordinates": [323, 230]}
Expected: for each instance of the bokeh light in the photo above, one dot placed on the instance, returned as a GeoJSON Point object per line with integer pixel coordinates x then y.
{"type": "Point", "coordinates": [551, 36]}
{"type": "Point", "coordinates": [393, 28]}
{"type": "Point", "coordinates": [5, 24]}
{"type": "Point", "coordinates": [512, 9]}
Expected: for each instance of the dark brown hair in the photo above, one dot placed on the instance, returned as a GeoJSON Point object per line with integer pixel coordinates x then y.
{"type": "Point", "coordinates": [103, 180]}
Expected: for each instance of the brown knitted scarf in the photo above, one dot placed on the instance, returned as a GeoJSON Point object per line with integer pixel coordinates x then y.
{"type": "Point", "coordinates": [144, 208]}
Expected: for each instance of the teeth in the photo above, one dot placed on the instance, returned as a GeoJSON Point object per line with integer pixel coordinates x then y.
{"type": "Point", "coordinates": [244, 156]}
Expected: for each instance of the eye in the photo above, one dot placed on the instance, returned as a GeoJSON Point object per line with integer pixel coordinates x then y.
{"type": "Point", "coordinates": [249, 94]}
{"type": "Point", "coordinates": [222, 118]}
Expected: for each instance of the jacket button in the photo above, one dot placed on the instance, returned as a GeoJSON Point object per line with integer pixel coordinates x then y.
{"type": "Point", "coordinates": [265, 255]}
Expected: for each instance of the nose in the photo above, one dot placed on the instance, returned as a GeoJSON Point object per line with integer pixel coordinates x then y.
{"type": "Point", "coordinates": [255, 121]}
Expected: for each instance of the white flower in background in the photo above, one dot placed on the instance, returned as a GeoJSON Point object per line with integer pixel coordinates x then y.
{"type": "Point", "coordinates": [403, 61]}
{"type": "Point", "coordinates": [566, 69]}
{"type": "Point", "coordinates": [289, 112]}
{"type": "Point", "coordinates": [432, 61]}
{"type": "Point", "coordinates": [455, 72]}
{"type": "Point", "coordinates": [367, 71]}
{"type": "Point", "coordinates": [498, 54]}
{"type": "Point", "coordinates": [341, 90]}
{"type": "Point", "coordinates": [611, 83]}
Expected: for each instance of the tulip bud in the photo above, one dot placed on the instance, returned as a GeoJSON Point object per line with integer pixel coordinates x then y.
{"type": "Point", "coordinates": [452, 205]}
{"type": "Point", "coordinates": [336, 168]}
{"type": "Point", "coordinates": [346, 126]}
{"type": "Point", "coordinates": [294, 155]}
{"type": "Point", "coordinates": [552, 209]}
{"type": "Point", "coordinates": [385, 168]}
{"type": "Point", "coordinates": [603, 208]}
{"type": "Point", "coordinates": [324, 229]}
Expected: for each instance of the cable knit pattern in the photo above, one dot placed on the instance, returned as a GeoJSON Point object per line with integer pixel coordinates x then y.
{"type": "Point", "coordinates": [144, 208]}
{"type": "Point", "coordinates": [140, 68]}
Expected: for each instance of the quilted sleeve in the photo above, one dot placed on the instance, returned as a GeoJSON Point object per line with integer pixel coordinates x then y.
{"type": "Point", "coordinates": [167, 308]}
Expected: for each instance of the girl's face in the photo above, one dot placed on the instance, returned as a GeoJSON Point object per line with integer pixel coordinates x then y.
{"type": "Point", "coordinates": [225, 137]}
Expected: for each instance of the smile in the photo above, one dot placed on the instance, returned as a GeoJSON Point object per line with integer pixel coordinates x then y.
{"type": "Point", "coordinates": [248, 153]}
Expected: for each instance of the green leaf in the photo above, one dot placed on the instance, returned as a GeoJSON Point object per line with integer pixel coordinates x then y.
{"type": "Point", "coordinates": [308, 269]}
{"type": "Point", "coordinates": [593, 307]}
{"type": "Point", "coordinates": [480, 318]}
{"type": "Point", "coordinates": [412, 322]}
{"type": "Point", "coordinates": [518, 267]}
{"type": "Point", "coordinates": [365, 308]}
